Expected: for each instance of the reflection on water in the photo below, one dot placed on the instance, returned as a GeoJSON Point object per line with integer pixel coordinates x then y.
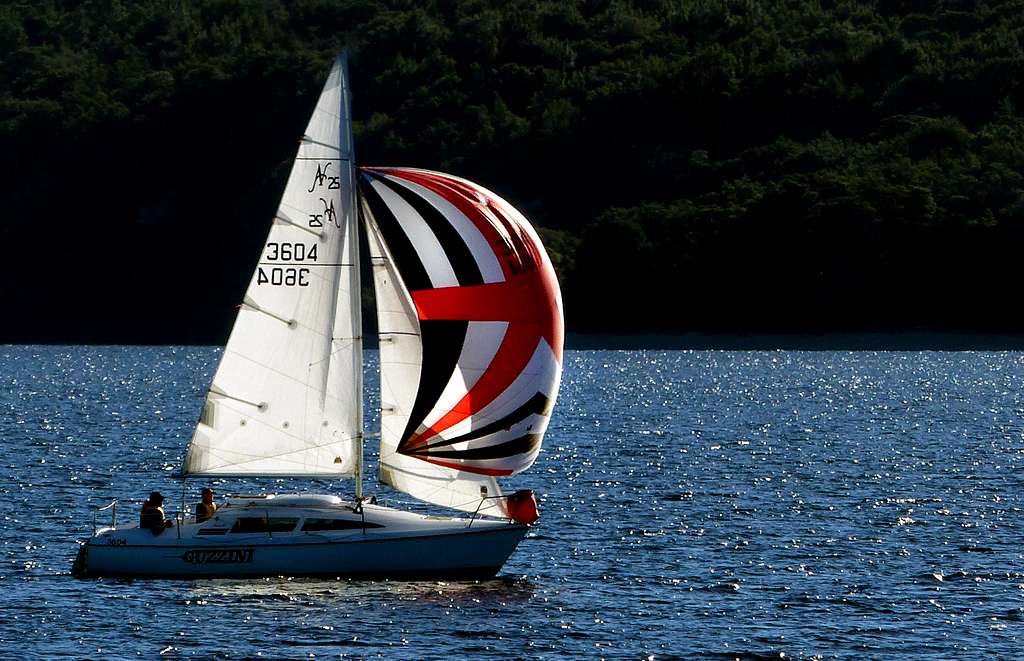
{"type": "Point", "coordinates": [345, 591]}
{"type": "Point", "coordinates": [721, 504]}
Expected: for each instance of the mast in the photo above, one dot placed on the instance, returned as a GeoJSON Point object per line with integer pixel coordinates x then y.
{"type": "Point", "coordinates": [355, 299]}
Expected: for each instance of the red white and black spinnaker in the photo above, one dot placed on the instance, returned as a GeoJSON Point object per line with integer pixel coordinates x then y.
{"type": "Point", "coordinates": [474, 321]}
{"type": "Point", "coordinates": [470, 339]}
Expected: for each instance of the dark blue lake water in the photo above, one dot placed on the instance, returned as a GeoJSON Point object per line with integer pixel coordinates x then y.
{"type": "Point", "coordinates": [695, 504]}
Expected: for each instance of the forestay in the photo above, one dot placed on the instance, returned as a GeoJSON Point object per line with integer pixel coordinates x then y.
{"type": "Point", "coordinates": [286, 397]}
{"type": "Point", "coordinates": [471, 333]}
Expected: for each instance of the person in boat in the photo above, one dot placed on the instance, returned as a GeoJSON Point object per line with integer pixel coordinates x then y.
{"type": "Point", "coordinates": [152, 516]}
{"type": "Point", "coordinates": [207, 508]}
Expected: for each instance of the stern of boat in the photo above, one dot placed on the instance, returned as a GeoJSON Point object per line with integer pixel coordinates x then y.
{"type": "Point", "coordinates": [80, 567]}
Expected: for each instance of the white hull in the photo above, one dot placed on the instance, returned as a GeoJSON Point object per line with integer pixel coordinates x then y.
{"type": "Point", "coordinates": [378, 541]}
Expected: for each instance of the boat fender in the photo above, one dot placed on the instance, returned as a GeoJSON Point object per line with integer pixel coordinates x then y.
{"type": "Point", "coordinates": [522, 507]}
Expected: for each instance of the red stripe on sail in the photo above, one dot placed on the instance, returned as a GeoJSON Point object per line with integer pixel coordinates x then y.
{"type": "Point", "coordinates": [514, 300]}
{"type": "Point", "coordinates": [532, 316]}
{"type": "Point", "coordinates": [513, 355]}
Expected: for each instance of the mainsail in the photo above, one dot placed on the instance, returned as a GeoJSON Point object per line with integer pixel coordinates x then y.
{"type": "Point", "coordinates": [470, 321]}
{"type": "Point", "coordinates": [287, 396]}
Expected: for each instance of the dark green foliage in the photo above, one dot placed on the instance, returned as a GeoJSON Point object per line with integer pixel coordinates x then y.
{"type": "Point", "coordinates": [733, 165]}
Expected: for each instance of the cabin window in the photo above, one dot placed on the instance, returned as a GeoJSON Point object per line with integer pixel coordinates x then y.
{"type": "Point", "coordinates": [313, 525]}
{"type": "Point", "coordinates": [263, 524]}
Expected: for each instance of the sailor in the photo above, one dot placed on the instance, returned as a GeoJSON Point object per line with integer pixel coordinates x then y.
{"type": "Point", "coordinates": [152, 516]}
{"type": "Point", "coordinates": [206, 509]}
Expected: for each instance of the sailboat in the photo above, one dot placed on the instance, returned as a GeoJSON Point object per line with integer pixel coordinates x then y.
{"type": "Point", "coordinates": [470, 350]}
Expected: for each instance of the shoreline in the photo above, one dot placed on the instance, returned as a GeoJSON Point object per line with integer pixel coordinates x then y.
{"type": "Point", "coordinates": [866, 341]}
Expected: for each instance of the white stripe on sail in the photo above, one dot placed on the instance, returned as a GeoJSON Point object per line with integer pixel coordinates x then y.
{"type": "Point", "coordinates": [422, 238]}
{"type": "Point", "coordinates": [482, 253]}
{"type": "Point", "coordinates": [541, 374]}
{"type": "Point", "coordinates": [531, 424]}
{"type": "Point", "coordinates": [483, 338]}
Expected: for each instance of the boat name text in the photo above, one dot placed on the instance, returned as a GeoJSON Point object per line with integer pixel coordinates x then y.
{"type": "Point", "coordinates": [219, 556]}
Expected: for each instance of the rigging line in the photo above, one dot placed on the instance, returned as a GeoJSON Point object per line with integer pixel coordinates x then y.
{"type": "Point", "coordinates": [251, 304]}
{"type": "Point", "coordinates": [283, 375]}
{"type": "Point", "coordinates": [335, 352]}
{"type": "Point", "coordinates": [248, 458]}
{"type": "Point", "coordinates": [274, 428]}
{"type": "Point", "coordinates": [285, 219]}
{"type": "Point", "coordinates": [304, 264]}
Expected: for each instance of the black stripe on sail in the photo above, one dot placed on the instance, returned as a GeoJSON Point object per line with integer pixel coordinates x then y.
{"type": "Point", "coordinates": [455, 249]}
{"type": "Point", "coordinates": [442, 346]}
{"type": "Point", "coordinates": [537, 405]}
{"type": "Point", "coordinates": [522, 445]}
{"type": "Point", "coordinates": [408, 263]}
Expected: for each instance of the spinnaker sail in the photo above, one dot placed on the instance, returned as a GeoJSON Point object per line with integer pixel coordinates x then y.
{"type": "Point", "coordinates": [471, 332]}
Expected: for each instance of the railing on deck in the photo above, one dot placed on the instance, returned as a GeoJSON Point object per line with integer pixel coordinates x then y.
{"type": "Point", "coordinates": [113, 515]}
{"type": "Point", "coordinates": [476, 512]}
{"type": "Point", "coordinates": [178, 517]}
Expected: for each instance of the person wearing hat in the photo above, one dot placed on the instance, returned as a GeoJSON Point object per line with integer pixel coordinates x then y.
{"type": "Point", "coordinates": [206, 509]}
{"type": "Point", "coordinates": [152, 515]}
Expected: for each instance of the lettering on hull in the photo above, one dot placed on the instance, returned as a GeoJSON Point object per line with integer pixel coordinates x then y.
{"type": "Point", "coordinates": [219, 556]}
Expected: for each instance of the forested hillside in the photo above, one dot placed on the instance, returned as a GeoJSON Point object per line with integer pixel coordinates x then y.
{"type": "Point", "coordinates": [709, 165]}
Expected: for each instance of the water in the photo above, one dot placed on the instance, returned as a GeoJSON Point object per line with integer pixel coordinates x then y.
{"type": "Point", "coordinates": [695, 504]}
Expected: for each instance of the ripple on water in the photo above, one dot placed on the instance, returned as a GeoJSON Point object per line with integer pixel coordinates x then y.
{"type": "Point", "coordinates": [712, 504]}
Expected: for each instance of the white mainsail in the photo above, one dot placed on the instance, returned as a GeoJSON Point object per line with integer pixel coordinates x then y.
{"type": "Point", "coordinates": [287, 396]}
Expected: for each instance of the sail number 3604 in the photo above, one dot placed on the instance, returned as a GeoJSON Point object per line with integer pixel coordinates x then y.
{"type": "Point", "coordinates": [288, 276]}
{"type": "Point", "coordinates": [286, 252]}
